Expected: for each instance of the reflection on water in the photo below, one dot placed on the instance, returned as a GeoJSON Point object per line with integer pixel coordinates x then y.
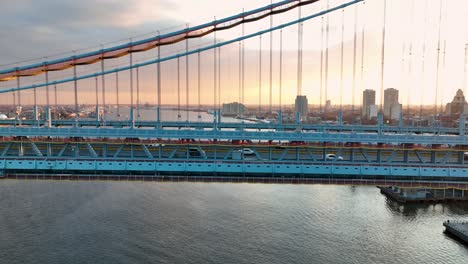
{"type": "Point", "coordinates": [142, 222]}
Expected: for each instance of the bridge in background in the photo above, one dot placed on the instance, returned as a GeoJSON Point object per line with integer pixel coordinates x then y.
{"type": "Point", "coordinates": [263, 150]}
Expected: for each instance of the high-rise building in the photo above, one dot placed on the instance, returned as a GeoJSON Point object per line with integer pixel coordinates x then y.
{"type": "Point", "coordinates": [458, 105]}
{"type": "Point", "coordinates": [368, 104]}
{"type": "Point", "coordinates": [302, 105]}
{"type": "Point", "coordinates": [391, 108]}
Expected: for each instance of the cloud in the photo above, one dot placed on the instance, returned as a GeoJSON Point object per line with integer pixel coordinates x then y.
{"type": "Point", "coordinates": [31, 28]}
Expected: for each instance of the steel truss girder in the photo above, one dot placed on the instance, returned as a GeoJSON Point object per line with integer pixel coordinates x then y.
{"type": "Point", "coordinates": [340, 137]}
{"type": "Point", "coordinates": [155, 167]}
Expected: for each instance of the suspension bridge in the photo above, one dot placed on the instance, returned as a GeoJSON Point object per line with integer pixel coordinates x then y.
{"type": "Point", "coordinates": [119, 112]}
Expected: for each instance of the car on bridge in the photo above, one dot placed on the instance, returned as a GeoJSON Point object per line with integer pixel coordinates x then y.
{"type": "Point", "coordinates": [247, 151]}
{"type": "Point", "coordinates": [331, 157]}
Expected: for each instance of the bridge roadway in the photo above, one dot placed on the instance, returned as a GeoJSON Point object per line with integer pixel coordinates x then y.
{"type": "Point", "coordinates": [332, 134]}
{"type": "Point", "coordinates": [222, 158]}
{"type": "Point", "coordinates": [89, 123]}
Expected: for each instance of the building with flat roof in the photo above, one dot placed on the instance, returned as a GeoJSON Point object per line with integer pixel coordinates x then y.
{"type": "Point", "coordinates": [302, 105]}
{"type": "Point", "coordinates": [392, 108]}
{"type": "Point", "coordinates": [368, 104]}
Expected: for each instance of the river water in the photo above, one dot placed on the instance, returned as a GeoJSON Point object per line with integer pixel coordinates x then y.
{"type": "Point", "coordinates": [148, 222]}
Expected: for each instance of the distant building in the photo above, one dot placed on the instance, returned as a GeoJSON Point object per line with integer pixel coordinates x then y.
{"type": "Point", "coordinates": [328, 106]}
{"type": "Point", "coordinates": [233, 109]}
{"type": "Point", "coordinates": [458, 105]}
{"type": "Point", "coordinates": [369, 109]}
{"type": "Point", "coordinates": [392, 108]}
{"type": "Point", "coordinates": [372, 111]}
{"type": "Point", "coordinates": [302, 105]}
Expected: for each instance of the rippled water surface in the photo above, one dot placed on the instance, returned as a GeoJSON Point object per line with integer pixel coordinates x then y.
{"type": "Point", "coordinates": [141, 222]}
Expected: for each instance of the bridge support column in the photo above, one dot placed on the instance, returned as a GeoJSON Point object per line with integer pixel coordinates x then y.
{"type": "Point", "coordinates": [351, 154]}
{"type": "Point", "coordinates": [104, 150]}
{"type": "Point", "coordinates": [340, 118]}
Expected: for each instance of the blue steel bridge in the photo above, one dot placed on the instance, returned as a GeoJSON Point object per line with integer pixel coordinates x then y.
{"type": "Point", "coordinates": [48, 146]}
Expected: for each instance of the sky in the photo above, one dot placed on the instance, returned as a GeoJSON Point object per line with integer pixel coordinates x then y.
{"type": "Point", "coordinates": [39, 30]}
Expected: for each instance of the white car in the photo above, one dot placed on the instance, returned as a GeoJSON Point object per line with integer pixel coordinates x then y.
{"type": "Point", "coordinates": [247, 151]}
{"type": "Point", "coordinates": [333, 157]}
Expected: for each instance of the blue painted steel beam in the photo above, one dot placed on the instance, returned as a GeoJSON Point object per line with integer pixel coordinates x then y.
{"type": "Point", "coordinates": [338, 137]}
{"type": "Point", "coordinates": [307, 169]}
{"type": "Point", "coordinates": [435, 131]}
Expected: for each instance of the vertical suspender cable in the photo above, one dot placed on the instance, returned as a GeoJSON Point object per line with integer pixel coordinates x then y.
{"type": "Point", "coordinates": [47, 90]}
{"type": "Point", "coordinates": [47, 87]}
{"type": "Point", "coordinates": [353, 102]}
{"type": "Point", "coordinates": [363, 43]}
{"type": "Point", "coordinates": [187, 78]}
{"type": "Point", "coordinates": [19, 92]}
{"type": "Point", "coordinates": [240, 77]}
{"type": "Point", "coordinates": [438, 62]}
{"type": "Point", "coordinates": [464, 70]}
{"type": "Point", "coordinates": [260, 77]}
{"type": "Point", "coordinates": [178, 88]}
{"type": "Point", "coordinates": [199, 83]}
{"type": "Point", "coordinates": [423, 63]}
{"type": "Point", "coordinates": [321, 65]}
{"type": "Point", "coordinates": [444, 69]}
{"type": "Point", "coordinates": [35, 99]}
{"type": "Point", "coordinates": [14, 93]}
{"type": "Point", "coordinates": [271, 63]}
{"type": "Point", "coordinates": [219, 78]}
{"type": "Point", "coordinates": [382, 73]}
{"type": "Point", "coordinates": [75, 86]}
{"type": "Point", "coordinates": [17, 110]}
{"type": "Point", "coordinates": [55, 101]}
{"type": "Point", "coordinates": [299, 54]}
{"type": "Point", "coordinates": [97, 96]}
{"type": "Point", "coordinates": [327, 32]}
{"type": "Point", "coordinates": [243, 62]}
{"type": "Point", "coordinates": [138, 91]}
{"type": "Point", "coordinates": [215, 73]}
{"type": "Point", "coordinates": [281, 72]}
{"type": "Point", "coordinates": [103, 84]}
{"type": "Point", "coordinates": [131, 78]}
{"type": "Point", "coordinates": [341, 60]}
{"type": "Point", "coordinates": [403, 64]}
{"type": "Point", "coordinates": [117, 93]}
{"type": "Point", "coordinates": [158, 69]}
{"type": "Point", "coordinates": [410, 65]}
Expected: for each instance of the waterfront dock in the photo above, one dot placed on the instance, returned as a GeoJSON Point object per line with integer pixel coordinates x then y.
{"type": "Point", "coordinates": [424, 195]}
{"type": "Point", "coordinates": [458, 229]}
